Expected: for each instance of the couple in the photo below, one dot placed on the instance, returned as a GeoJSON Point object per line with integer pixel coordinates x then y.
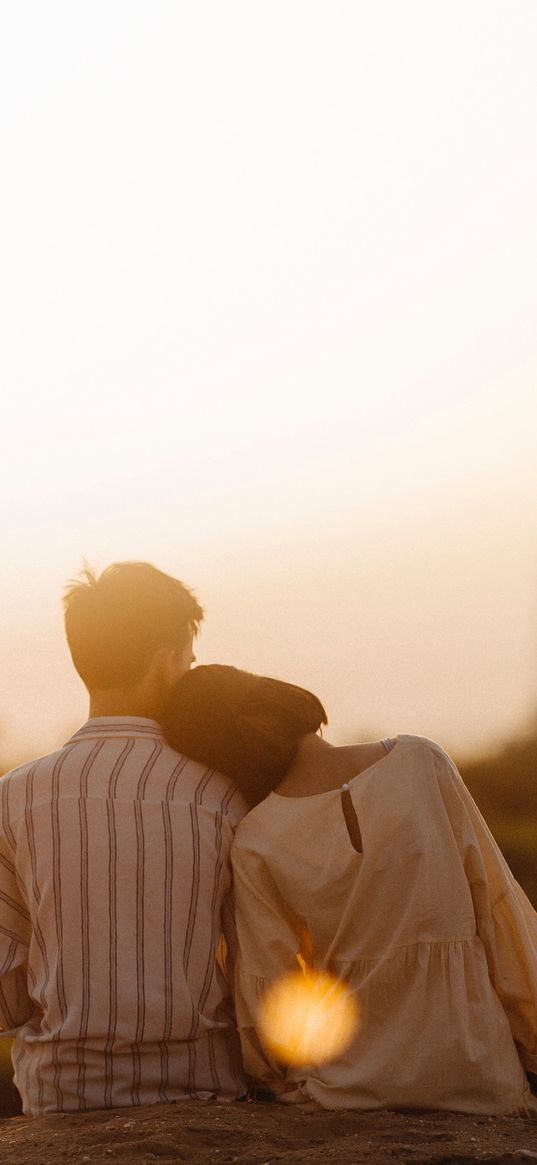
{"type": "Point", "coordinates": [118, 942]}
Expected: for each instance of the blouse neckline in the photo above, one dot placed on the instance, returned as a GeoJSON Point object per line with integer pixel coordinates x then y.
{"type": "Point", "coordinates": [346, 784]}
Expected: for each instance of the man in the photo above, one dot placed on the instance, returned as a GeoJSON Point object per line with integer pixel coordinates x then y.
{"type": "Point", "coordinates": [114, 875]}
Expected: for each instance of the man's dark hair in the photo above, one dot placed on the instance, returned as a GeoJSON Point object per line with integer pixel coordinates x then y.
{"type": "Point", "coordinates": [245, 725]}
{"type": "Point", "coordinates": [116, 622]}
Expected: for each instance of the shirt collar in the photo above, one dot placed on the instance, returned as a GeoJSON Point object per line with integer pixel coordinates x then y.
{"type": "Point", "coordinates": [117, 726]}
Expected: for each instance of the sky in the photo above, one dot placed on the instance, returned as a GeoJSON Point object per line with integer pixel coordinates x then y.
{"type": "Point", "coordinates": [269, 321]}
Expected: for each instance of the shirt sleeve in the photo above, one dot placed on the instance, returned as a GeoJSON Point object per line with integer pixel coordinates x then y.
{"type": "Point", "coordinates": [505, 919]}
{"type": "Point", "coordinates": [269, 939]}
{"type": "Point", "coordinates": [16, 1007]}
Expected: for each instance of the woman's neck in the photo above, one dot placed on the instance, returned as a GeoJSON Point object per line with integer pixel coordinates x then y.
{"type": "Point", "coordinates": [319, 766]}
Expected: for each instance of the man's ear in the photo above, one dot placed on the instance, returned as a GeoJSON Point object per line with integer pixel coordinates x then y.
{"type": "Point", "coordinates": [163, 667]}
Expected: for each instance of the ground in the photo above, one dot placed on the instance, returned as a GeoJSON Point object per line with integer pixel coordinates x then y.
{"type": "Point", "coordinates": [199, 1133]}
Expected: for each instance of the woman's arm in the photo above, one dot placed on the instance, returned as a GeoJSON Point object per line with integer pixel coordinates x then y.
{"type": "Point", "coordinates": [505, 919]}
{"type": "Point", "coordinates": [270, 937]}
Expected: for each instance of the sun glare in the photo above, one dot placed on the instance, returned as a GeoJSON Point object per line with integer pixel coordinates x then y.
{"type": "Point", "coordinates": [307, 1018]}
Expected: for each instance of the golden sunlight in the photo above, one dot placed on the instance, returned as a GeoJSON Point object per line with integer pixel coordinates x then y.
{"type": "Point", "coordinates": [307, 1018]}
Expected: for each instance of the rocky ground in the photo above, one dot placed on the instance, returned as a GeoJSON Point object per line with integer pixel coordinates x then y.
{"type": "Point", "coordinates": [200, 1133]}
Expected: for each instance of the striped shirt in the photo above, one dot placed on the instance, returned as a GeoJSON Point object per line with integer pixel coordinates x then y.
{"type": "Point", "coordinates": [114, 895]}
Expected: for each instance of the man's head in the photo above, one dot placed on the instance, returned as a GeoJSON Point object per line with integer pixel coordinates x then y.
{"type": "Point", "coordinates": [131, 626]}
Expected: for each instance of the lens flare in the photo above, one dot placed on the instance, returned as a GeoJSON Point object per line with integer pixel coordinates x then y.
{"type": "Point", "coordinates": [307, 1018]}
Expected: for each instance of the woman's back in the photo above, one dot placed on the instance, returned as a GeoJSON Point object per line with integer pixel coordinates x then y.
{"type": "Point", "coordinates": [381, 884]}
{"type": "Point", "coordinates": [305, 842]}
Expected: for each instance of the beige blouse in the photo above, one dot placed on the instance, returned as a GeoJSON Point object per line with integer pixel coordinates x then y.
{"type": "Point", "coordinates": [427, 926]}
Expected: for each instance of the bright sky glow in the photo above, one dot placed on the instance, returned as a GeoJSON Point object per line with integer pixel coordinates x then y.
{"type": "Point", "coordinates": [269, 305]}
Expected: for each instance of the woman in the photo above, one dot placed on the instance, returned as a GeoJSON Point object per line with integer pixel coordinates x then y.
{"type": "Point", "coordinates": [372, 861]}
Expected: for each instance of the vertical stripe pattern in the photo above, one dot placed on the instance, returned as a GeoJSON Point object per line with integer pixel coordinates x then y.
{"type": "Point", "coordinates": [114, 863]}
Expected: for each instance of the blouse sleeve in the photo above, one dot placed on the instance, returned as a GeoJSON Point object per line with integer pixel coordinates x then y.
{"type": "Point", "coordinates": [269, 937]}
{"type": "Point", "coordinates": [505, 919]}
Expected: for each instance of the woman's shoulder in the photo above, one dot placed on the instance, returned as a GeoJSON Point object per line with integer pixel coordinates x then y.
{"type": "Point", "coordinates": [424, 758]}
{"type": "Point", "coordinates": [421, 744]}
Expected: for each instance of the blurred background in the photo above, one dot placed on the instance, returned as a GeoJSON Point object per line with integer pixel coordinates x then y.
{"type": "Point", "coordinates": [268, 300]}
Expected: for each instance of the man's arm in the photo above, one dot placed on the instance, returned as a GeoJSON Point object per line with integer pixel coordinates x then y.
{"type": "Point", "coordinates": [15, 930]}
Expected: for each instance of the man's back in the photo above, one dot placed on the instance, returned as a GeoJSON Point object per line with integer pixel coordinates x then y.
{"type": "Point", "coordinates": [114, 869]}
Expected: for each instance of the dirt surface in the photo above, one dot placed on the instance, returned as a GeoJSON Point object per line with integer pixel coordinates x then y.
{"type": "Point", "coordinates": [261, 1134]}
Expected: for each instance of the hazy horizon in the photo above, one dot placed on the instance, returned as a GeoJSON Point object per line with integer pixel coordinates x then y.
{"type": "Point", "coordinates": [428, 627]}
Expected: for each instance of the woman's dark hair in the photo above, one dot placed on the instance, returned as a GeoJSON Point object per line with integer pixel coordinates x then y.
{"type": "Point", "coordinates": [245, 725]}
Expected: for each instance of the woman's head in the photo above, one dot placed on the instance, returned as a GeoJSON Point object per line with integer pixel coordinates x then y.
{"type": "Point", "coordinates": [247, 726]}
